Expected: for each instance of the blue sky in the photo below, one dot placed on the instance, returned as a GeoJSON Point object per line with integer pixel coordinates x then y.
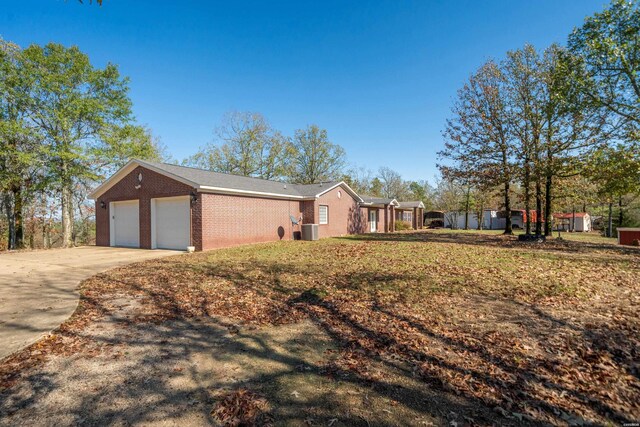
{"type": "Point", "coordinates": [380, 76]}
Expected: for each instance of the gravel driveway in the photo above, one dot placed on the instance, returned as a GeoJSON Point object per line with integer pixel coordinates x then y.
{"type": "Point", "coordinates": [39, 289]}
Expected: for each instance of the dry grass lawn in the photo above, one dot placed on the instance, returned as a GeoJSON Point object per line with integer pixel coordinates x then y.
{"type": "Point", "coordinates": [416, 328]}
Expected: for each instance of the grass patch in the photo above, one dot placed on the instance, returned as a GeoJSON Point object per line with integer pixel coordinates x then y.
{"type": "Point", "coordinates": [529, 333]}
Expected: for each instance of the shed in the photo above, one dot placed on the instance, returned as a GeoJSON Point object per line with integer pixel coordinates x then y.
{"type": "Point", "coordinates": [628, 236]}
{"type": "Point", "coordinates": [580, 221]}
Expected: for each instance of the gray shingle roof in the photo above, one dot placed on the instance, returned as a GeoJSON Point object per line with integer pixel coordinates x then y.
{"type": "Point", "coordinates": [226, 181]}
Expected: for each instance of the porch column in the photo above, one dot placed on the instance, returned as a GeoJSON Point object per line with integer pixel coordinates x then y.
{"type": "Point", "coordinates": [386, 218]}
{"type": "Point", "coordinates": [415, 218]}
{"type": "Point", "coordinates": [420, 218]}
{"type": "Point", "coordinates": [392, 214]}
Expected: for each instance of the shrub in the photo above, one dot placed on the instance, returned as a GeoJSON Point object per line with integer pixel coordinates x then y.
{"type": "Point", "coordinates": [403, 225]}
{"type": "Point", "coordinates": [635, 242]}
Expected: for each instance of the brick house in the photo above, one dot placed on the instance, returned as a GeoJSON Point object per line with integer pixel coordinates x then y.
{"type": "Point", "coordinates": [155, 205]}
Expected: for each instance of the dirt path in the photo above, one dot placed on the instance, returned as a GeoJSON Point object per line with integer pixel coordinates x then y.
{"type": "Point", "coordinates": [39, 289]}
{"type": "Point", "coordinates": [174, 373]}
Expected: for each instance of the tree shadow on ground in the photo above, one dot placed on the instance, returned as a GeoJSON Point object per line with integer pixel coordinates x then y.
{"type": "Point", "coordinates": [522, 388]}
{"type": "Point", "coordinates": [164, 350]}
{"type": "Point", "coordinates": [172, 370]}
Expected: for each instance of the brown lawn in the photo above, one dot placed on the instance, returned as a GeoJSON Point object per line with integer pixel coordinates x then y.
{"type": "Point", "coordinates": [401, 329]}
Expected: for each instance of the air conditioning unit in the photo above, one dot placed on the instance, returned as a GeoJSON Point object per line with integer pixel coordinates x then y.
{"type": "Point", "coordinates": [309, 231]}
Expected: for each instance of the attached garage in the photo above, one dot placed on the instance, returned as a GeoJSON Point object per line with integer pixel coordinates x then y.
{"type": "Point", "coordinates": [125, 223]}
{"type": "Point", "coordinates": [171, 223]}
{"type": "Point", "coordinates": [154, 205]}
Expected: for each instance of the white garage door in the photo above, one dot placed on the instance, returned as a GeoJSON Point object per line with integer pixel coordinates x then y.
{"type": "Point", "coordinates": [125, 224]}
{"type": "Point", "coordinates": [172, 223]}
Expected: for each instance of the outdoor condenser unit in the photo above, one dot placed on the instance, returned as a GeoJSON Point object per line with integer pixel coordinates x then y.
{"type": "Point", "coordinates": [309, 231]}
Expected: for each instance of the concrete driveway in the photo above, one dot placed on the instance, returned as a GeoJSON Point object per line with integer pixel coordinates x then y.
{"type": "Point", "coordinates": [39, 289]}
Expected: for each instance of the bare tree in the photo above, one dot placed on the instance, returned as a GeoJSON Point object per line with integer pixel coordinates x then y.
{"type": "Point", "coordinates": [478, 138]}
{"type": "Point", "coordinates": [246, 145]}
{"type": "Point", "coordinates": [393, 187]}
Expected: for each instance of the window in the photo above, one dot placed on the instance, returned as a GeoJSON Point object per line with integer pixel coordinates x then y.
{"type": "Point", "coordinates": [406, 216]}
{"type": "Point", "coordinates": [324, 214]}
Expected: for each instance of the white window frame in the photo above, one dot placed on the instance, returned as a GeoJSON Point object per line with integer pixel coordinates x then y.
{"type": "Point", "coordinates": [326, 220]}
{"type": "Point", "coordinates": [407, 216]}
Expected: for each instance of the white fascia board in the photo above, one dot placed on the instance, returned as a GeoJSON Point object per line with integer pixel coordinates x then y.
{"type": "Point", "coordinates": [346, 187]}
{"type": "Point", "coordinates": [393, 203]}
{"type": "Point", "coordinates": [231, 191]}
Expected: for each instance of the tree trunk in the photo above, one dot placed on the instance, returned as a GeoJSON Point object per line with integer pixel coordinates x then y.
{"type": "Point", "coordinates": [66, 219]}
{"type": "Point", "coordinates": [610, 221]}
{"type": "Point", "coordinates": [538, 178]}
{"type": "Point", "coordinates": [538, 206]}
{"type": "Point", "coordinates": [508, 229]}
{"type": "Point", "coordinates": [573, 219]}
{"type": "Point", "coordinates": [466, 209]}
{"type": "Point", "coordinates": [547, 205]}
{"type": "Point", "coordinates": [47, 234]}
{"type": "Point", "coordinates": [11, 234]}
{"type": "Point", "coordinates": [17, 218]}
{"type": "Point", "coordinates": [72, 216]}
{"type": "Point", "coordinates": [66, 205]}
{"type": "Point", "coordinates": [620, 212]}
{"type": "Point", "coordinates": [527, 194]}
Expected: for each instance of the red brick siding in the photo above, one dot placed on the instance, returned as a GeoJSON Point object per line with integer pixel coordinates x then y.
{"type": "Point", "coordinates": [153, 185]}
{"type": "Point", "coordinates": [307, 208]}
{"type": "Point", "coordinates": [196, 223]}
{"type": "Point", "coordinates": [344, 215]}
{"type": "Point", "coordinates": [229, 220]}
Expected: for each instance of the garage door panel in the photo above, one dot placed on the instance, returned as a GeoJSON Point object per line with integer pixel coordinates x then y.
{"type": "Point", "coordinates": [125, 220]}
{"type": "Point", "coordinates": [172, 223]}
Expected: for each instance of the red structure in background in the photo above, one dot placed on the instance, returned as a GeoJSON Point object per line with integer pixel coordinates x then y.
{"type": "Point", "coordinates": [627, 236]}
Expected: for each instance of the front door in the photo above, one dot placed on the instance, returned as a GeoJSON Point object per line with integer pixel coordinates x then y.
{"type": "Point", "coordinates": [373, 221]}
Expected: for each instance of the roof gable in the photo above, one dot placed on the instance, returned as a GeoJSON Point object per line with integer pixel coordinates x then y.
{"type": "Point", "coordinates": [372, 200]}
{"type": "Point", "coordinates": [411, 205]}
